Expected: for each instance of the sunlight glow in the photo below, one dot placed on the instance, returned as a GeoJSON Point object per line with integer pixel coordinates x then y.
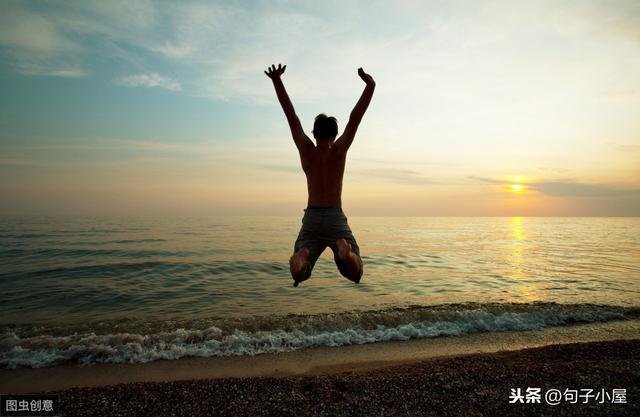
{"type": "Point", "coordinates": [518, 259]}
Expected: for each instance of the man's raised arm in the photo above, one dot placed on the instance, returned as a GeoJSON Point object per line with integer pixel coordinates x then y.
{"type": "Point", "coordinates": [344, 141]}
{"type": "Point", "coordinates": [299, 137]}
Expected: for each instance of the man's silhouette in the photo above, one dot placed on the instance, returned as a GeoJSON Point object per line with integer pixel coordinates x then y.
{"type": "Point", "coordinates": [324, 223]}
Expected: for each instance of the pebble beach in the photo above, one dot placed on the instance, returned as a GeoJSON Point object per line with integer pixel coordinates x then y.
{"type": "Point", "coordinates": [472, 384]}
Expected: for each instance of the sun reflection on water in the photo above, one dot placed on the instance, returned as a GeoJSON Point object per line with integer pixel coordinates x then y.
{"type": "Point", "coordinates": [517, 259]}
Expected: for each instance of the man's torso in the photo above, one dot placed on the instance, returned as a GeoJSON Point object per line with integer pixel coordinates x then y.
{"type": "Point", "coordinates": [324, 168]}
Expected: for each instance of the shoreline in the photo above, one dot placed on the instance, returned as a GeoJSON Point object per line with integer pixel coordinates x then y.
{"type": "Point", "coordinates": [472, 384]}
{"type": "Point", "coordinates": [308, 362]}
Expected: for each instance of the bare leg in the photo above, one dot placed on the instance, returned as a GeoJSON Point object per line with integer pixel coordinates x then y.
{"type": "Point", "coordinates": [350, 259]}
{"type": "Point", "coordinates": [298, 266]}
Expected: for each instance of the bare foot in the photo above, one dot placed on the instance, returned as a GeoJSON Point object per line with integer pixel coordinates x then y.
{"type": "Point", "coordinates": [298, 266]}
{"type": "Point", "coordinates": [351, 259]}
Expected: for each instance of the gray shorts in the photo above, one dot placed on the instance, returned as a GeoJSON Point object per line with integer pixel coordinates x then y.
{"type": "Point", "coordinates": [321, 227]}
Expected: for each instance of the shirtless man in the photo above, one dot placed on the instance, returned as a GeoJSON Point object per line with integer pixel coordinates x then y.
{"type": "Point", "coordinates": [324, 223]}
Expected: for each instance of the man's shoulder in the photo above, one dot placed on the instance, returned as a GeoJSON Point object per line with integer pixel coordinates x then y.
{"type": "Point", "coordinates": [307, 151]}
{"type": "Point", "coordinates": [303, 142]}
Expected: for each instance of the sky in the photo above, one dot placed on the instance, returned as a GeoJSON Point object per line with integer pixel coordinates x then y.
{"type": "Point", "coordinates": [481, 108]}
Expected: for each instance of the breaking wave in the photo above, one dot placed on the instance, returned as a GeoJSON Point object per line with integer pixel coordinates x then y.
{"type": "Point", "coordinates": [138, 342]}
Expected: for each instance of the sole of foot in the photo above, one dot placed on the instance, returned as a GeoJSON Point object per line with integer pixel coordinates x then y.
{"type": "Point", "coordinates": [298, 264]}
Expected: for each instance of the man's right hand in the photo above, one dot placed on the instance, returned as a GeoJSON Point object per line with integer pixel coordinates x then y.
{"type": "Point", "coordinates": [273, 72]}
{"type": "Point", "coordinates": [366, 77]}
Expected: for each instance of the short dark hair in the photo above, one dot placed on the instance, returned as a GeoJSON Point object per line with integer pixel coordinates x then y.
{"type": "Point", "coordinates": [325, 127]}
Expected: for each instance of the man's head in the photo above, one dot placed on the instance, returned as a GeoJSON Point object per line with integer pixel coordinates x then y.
{"type": "Point", "coordinates": [325, 127]}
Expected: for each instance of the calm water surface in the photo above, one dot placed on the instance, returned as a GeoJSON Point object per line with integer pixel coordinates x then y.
{"type": "Point", "coordinates": [97, 268]}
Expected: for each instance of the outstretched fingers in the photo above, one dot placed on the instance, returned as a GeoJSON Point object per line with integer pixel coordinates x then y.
{"type": "Point", "coordinates": [274, 71]}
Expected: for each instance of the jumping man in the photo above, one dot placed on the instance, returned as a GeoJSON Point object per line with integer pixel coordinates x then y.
{"type": "Point", "coordinates": [324, 223]}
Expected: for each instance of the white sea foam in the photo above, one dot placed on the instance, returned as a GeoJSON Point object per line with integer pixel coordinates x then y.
{"type": "Point", "coordinates": [299, 332]}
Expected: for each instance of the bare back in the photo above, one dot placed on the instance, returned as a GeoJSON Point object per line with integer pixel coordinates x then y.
{"type": "Point", "coordinates": [324, 169]}
{"type": "Point", "coordinates": [322, 164]}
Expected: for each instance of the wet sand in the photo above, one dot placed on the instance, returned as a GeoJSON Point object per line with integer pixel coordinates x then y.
{"type": "Point", "coordinates": [468, 385]}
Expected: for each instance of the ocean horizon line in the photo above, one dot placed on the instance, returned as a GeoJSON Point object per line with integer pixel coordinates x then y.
{"type": "Point", "coordinates": [174, 215]}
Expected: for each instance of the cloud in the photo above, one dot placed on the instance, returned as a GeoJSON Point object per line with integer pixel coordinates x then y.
{"type": "Point", "coordinates": [151, 80]}
{"type": "Point", "coordinates": [35, 45]}
{"type": "Point", "coordinates": [625, 147]}
{"type": "Point", "coordinates": [599, 17]}
{"type": "Point", "coordinates": [488, 180]}
{"type": "Point", "coordinates": [24, 30]}
{"type": "Point", "coordinates": [572, 189]}
{"type": "Point", "coordinates": [398, 176]}
{"type": "Point", "coordinates": [43, 70]}
{"type": "Point", "coordinates": [566, 188]}
{"type": "Point", "coordinates": [403, 162]}
{"type": "Point", "coordinates": [223, 47]}
{"type": "Point", "coordinates": [555, 170]}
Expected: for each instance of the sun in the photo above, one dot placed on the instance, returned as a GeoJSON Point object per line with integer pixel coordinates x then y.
{"type": "Point", "coordinates": [516, 188]}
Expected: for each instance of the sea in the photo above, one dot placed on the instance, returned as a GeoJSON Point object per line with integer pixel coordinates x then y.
{"type": "Point", "coordinates": [87, 290]}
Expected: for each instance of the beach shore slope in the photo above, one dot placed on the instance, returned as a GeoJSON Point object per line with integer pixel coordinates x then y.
{"type": "Point", "coordinates": [473, 384]}
{"type": "Point", "coordinates": [470, 375]}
